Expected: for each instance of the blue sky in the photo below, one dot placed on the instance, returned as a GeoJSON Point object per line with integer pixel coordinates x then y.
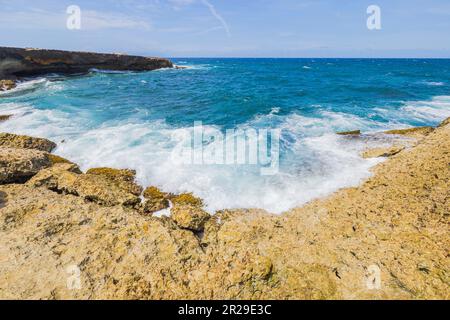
{"type": "Point", "coordinates": [232, 28]}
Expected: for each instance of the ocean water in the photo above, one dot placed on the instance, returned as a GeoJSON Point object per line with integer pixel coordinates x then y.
{"type": "Point", "coordinates": [134, 120]}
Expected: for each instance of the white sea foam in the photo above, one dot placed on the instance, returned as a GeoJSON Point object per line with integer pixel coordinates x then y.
{"type": "Point", "coordinates": [25, 87]}
{"type": "Point", "coordinates": [317, 162]}
{"type": "Point", "coordinates": [435, 84]}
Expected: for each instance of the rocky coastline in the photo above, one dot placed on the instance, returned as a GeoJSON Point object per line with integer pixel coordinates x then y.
{"type": "Point", "coordinates": [17, 63]}
{"type": "Point", "coordinates": [55, 218]}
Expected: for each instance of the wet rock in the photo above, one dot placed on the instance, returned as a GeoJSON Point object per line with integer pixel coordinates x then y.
{"type": "Point", "coordinates": [124, 178]}
{"type": "Point", "coordinates": [417, 132]}
{"type": "Point", "coordinates": [9, 140]}
{"type": "Point", "coordinates": [19, 165]}
{"type": "Point", "coordinates": [155, 200]}
{"type": "Point", "coordinates": [189, 217]}
{"type": "Point", "coordinates": [5, 117]}
{"type": "Point", "coordinates": [187, 199]}
{"type": "Point", "coordinates": [57, 159]}
{"type": "Point", "coordinates": [382, 152]}
{"type": "Point", "coordinates": [349, 133]}
{"type": "Point", "coordinates": [6, 85]}
{"type": "Point", "coordinates": [103, 190]}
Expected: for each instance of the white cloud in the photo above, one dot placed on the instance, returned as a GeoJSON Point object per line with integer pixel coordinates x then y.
{"type": "Point", "coordinates": [90, 20]}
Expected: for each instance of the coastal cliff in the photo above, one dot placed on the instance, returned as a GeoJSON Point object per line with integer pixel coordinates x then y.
{"type": "Point", "coordinates": [72, 235]}
{"type": "Point", "coordinates": [16, 62]}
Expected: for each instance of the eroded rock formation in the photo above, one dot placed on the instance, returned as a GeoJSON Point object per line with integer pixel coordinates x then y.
{"type": "Point", "coordinates": [396, 223]}
{"type": "Point", "coordinates": [16, 62]}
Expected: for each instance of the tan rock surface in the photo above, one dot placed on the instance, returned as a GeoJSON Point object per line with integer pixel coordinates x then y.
{"type": "Point", "coordinates": [7, 85]}
{"type": "Point", "coordinates": [396, 223]}
{"type": "Point", "coordinates": [9, 140]}
{"type": "Point", "coordinates": [189, 217]}
{"type": "Point", "coordinates": [382, 152]}
{"type": "Point", "coordinates": [19, 165]}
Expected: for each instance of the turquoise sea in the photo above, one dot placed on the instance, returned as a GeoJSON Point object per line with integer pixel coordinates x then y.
{"type": "Point", "coordinates": [134, 120]}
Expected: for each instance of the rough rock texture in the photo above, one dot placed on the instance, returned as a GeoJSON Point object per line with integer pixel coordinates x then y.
{"type": "Point", "coordinates": [104, 190]}
{"type": "Point", "coordinates": [19, 165]}
{"type": "Point", "coordinates": [382, 152]}
{"type": "Point", "coordinates": [412, 132]}
{"type": "Point", "coordinates": [17, 141]}
{"type": "Point", "coordinates": [397, 222]}
{"type": "Point", "coordinates": [189, 217]}
{"type": "Point", "coordinates": [6, 85]}
{"type": "Point", "coordinates": [155, 200]}
{"type": "Point", "coordinates": [17, 62]}
{"type": "Point", "coordinates": [124, 178]}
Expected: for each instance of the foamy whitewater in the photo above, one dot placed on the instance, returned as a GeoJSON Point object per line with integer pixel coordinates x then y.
{"type": "Point", "coordinates": [134, 120]}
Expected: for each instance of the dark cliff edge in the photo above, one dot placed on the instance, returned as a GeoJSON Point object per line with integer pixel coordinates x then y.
{"type": "Point", "coordinates": [17, 62]}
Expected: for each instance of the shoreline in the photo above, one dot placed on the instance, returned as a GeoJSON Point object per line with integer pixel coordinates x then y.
{"type": "Point", "coordinates": [322, 250]}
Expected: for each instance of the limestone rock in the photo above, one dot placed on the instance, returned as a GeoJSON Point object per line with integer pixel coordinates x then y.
{"type": "Point", "coordinates": [57, 159]}
{"type": "Point", "coordinates": [189, 217]}
{"type": "Point", "coordinates": [18, 141]}
{"type": "Point", "coordinates": [417, 132]}
{"type": "Point", "coordinates": [7, 85]}
{"type": "Point", "coordinates": [155, 200]}
{"type": "Point", "coordinates": [393, 226]}
{"type": "Point", "coordinates": [382, 152]}
{"type": "Point", "coordinates": [100, 189]}
{"type": "Point", "coordinates": [34, 62]}
{"type": "Point", "coordinates": [19, 165]}
{"type": "Point", "coordinates": [444, 123]}
{"type": "Point", "coordinates": [187, 199]}
{"type": "Point", "coordinates": [124, 178]}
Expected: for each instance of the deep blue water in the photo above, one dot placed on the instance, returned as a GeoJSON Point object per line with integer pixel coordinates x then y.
{"type": "Point", "coordinates": [131, 119]}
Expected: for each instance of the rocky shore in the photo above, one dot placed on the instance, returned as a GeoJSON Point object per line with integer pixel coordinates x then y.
{"type": "Point", "coordinates": [17, 63]}
{"type": "Point", "coordinates": [97, 235]}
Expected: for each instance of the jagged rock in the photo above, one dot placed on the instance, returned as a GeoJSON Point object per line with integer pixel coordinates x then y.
{"type": "Point", "coordinates": [5, 117]}
{"type": "Point", "coordinates": [382, 152]}
{"type": "Point", "coordinates": [396, 222]}
{"type": "Point", "coordinates": [349, 133]}
{"type": "Point", "coordinates": [124, 178]}
{"type": "Point", "coordinates": [57, 159]}
{"type": "Point", "coordinates": [417, 132]}
{"type": "Point", "coordinates": [101, 189]}
{"type": "Point", "coordinates": [32, 62]}
{"type": "Point", "coordinates": [19, 165]}
{"type": "Point", "coordinates": [10, 140]}
{"type": "Point", "coordinates": [155, 200]}
{"type": "Point", "coordinates": [186, 199]}
{"type": "Point", "coordinates": [6, 85]}
{"type": "Point", "coordinates": [55, 178]}
{"type": "Point", "coordinates": [189, 217]}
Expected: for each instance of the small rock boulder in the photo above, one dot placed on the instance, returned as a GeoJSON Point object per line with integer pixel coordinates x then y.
{"type": "Point", "coordinates": [19, 165]}
{"type": "Point", "coordinates": [155, 200]}
{"type": "Point", "coordinates": [103, 190]}
{"type": "Point", "coordinates": [7, 85]}
{"type": "Point", "coordinates": [187, 199]}
{"type": "Point", "coordinates": [189, 217]}
{"type": "Point", "coordinates": [124, 178]}
{"type": "Point", "coordinates": [9, 140]}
